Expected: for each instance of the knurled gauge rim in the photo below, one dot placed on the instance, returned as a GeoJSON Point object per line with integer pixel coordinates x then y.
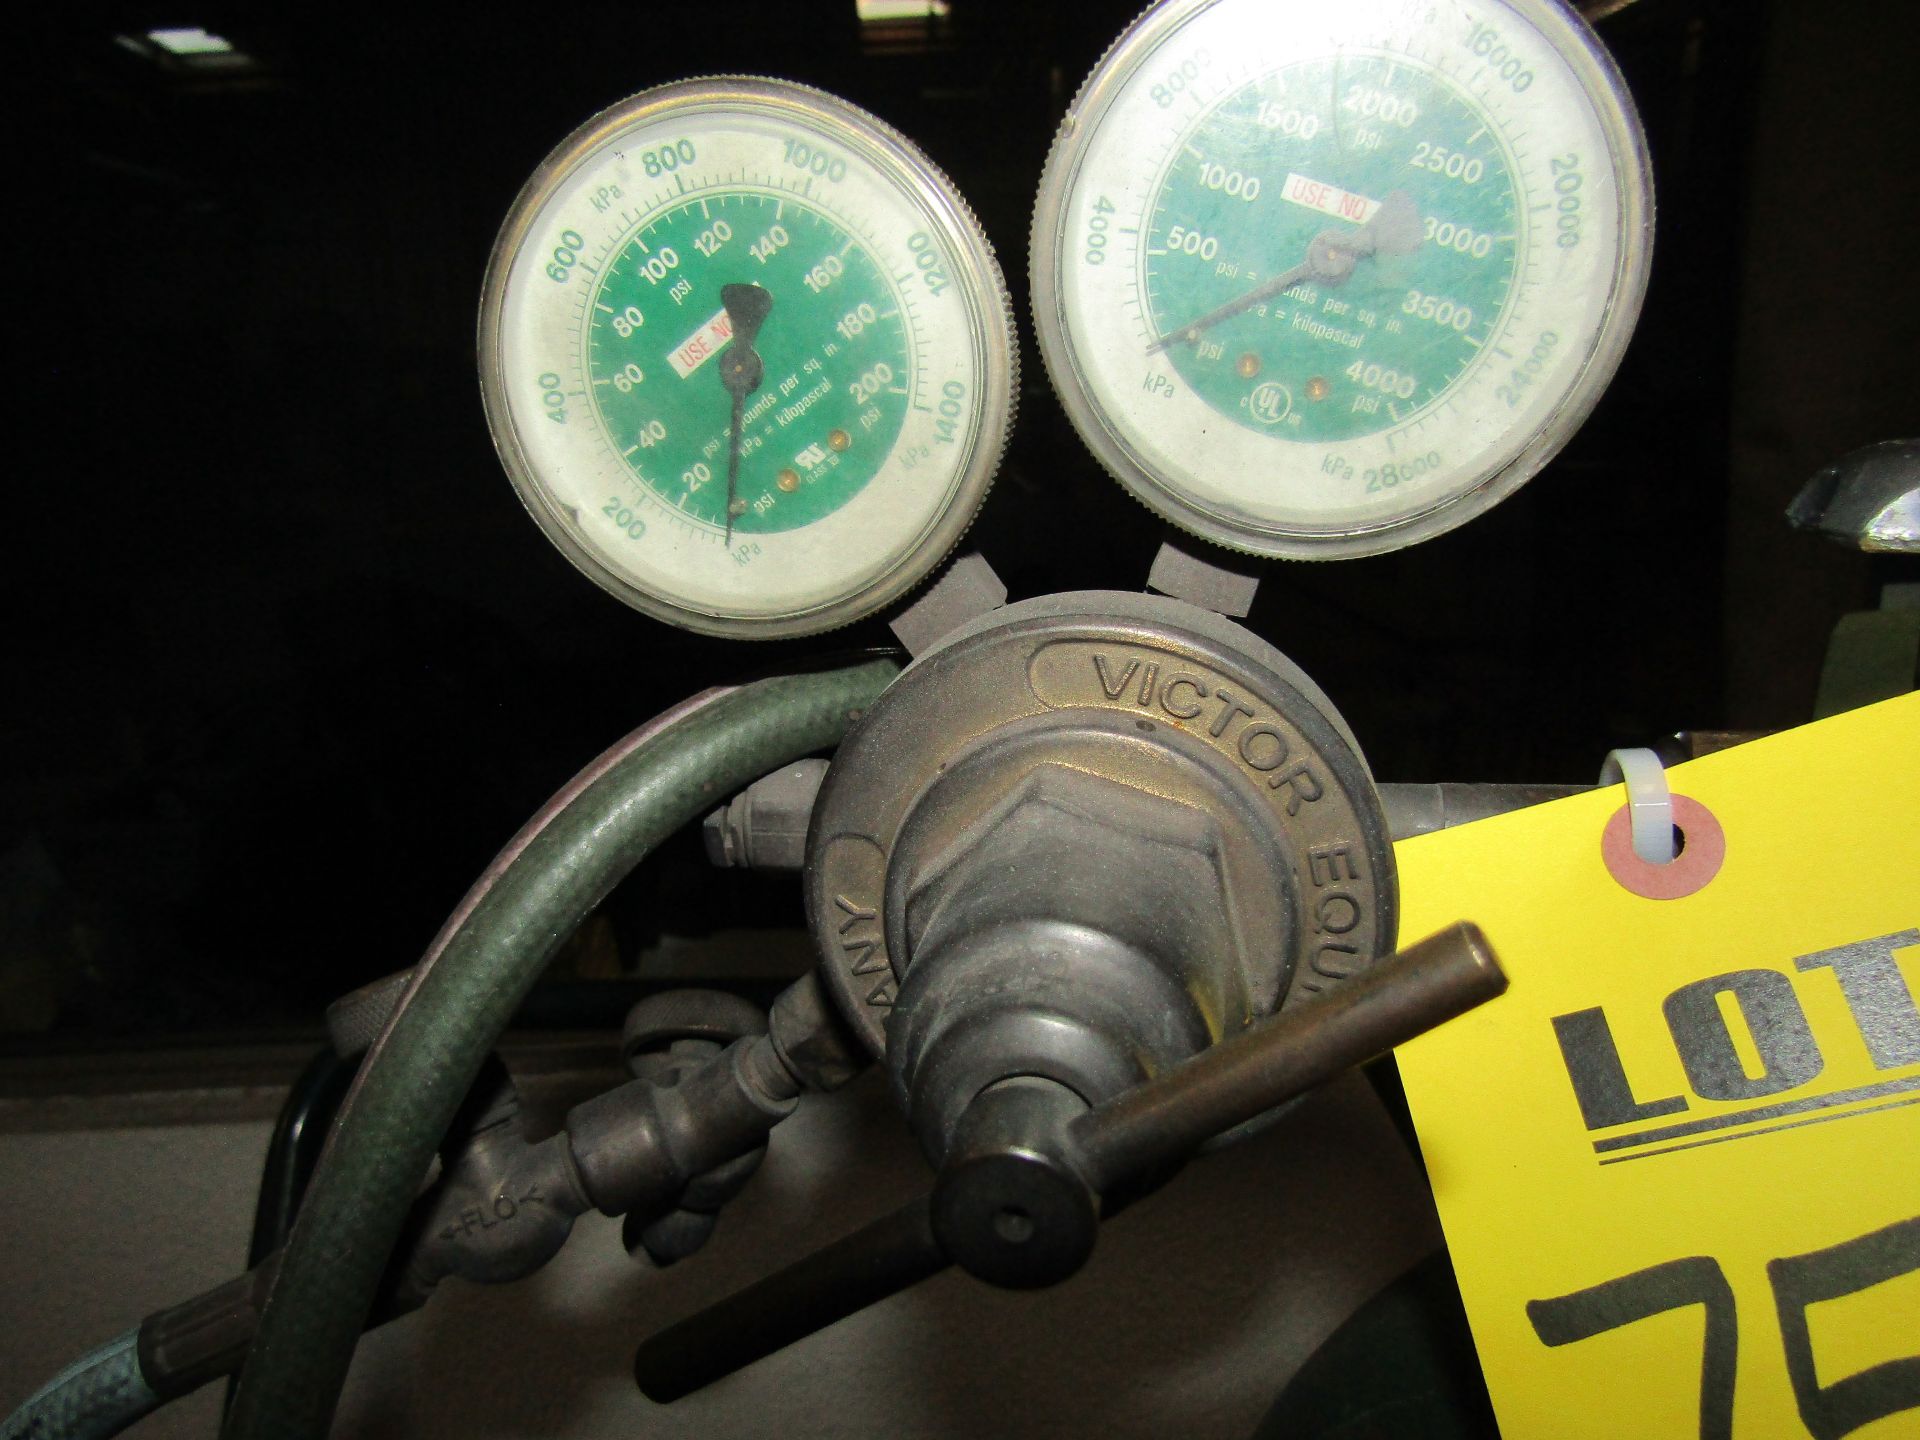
{"type": "Point", "coordinates": [978, 277]}
{"type": "Point", "coordinates": [1599, 79]}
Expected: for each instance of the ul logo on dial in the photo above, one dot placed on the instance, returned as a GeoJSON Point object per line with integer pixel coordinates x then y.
{"type": "Point", "coordinates": [1270, 403]}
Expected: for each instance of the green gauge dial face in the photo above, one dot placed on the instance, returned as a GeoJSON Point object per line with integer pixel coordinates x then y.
{"type": "Point", "coordinates": [1323, 144]}
{"type": "Point", "coordinates": [1325, 279]}
{"type": "Point", "coordinates": [834, 351]}
{"type": "Point", "coordinates": [747, 357]}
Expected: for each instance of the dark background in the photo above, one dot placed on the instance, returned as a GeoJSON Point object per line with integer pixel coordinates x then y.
{"type": "Point", "coordinates": [286, 662]}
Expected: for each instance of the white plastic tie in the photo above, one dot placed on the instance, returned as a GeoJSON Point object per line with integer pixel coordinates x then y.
{"type": "Point", "coordinates": [1649, 801]}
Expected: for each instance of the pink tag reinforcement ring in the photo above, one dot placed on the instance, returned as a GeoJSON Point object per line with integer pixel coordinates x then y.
{"type": "Point", "coordinates": [1703, 849]}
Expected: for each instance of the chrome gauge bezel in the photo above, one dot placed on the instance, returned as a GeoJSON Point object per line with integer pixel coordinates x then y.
{"type": "Point", "coordinates": [1506, 470]}
{"type": "Point", "coordinates": [976, 275]}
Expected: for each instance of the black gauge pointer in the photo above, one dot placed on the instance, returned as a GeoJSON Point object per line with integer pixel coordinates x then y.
{"type": "Point", "coordinates": [741, 370]}
{"type": "Point", "coordinates": [1331, 256]}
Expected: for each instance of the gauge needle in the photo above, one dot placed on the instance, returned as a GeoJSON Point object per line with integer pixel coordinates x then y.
{"type": "Point", "coordinates": [1331, 256]}
{"type": "Point", "coordinates": [741, 370]}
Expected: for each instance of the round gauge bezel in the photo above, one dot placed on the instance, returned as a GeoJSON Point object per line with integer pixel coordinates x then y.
{"type": "Point", "coordinates": [1508, 469]}
{"type": "Point", "coordinates": [977, 277]}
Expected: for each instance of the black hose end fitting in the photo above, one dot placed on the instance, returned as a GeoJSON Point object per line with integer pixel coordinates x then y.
{"type": "Point", "coordinates": [184, 1346]}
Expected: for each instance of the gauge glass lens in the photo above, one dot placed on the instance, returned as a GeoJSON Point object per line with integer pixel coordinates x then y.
{"type": "Point", "coordinates": [747, 357]}
{"type": "Point", "coordinates": [1321, 279]}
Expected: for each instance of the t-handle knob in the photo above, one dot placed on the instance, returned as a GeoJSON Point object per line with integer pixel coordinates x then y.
{"type": "Point", "coordinates": [1030, 1166]}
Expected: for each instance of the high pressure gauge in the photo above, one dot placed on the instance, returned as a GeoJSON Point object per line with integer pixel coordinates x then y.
{"type": "Point", "coordinates": [1321, 279]}
{"type": "Point", "coordinates": [746, 356]}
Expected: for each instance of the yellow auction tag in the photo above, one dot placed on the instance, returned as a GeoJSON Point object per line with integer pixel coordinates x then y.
{"type": "Point", "coordinates": [1678, 1163]}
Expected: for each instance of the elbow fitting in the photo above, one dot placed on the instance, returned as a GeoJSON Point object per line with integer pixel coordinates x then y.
{"type": "Point", "coordinates": [502, 1212]}
{"type": "Point", "coordinates": [638, 1147]}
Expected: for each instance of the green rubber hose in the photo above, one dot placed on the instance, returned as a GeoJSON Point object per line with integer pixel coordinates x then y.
{"type": "Point", "coordinates": [490, 954]}
{"type": "Point", "coordinates": [94, 1398]}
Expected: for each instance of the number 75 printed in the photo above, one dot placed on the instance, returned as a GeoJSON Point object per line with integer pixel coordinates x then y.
{"type": "Point", "coordinates": [1799, 1281]}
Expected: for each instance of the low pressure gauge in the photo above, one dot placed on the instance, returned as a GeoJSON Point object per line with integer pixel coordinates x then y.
{"type": "Point", "coordinates": [1322, 279]}
{"type": "Point", "coordinates": [746, 356]}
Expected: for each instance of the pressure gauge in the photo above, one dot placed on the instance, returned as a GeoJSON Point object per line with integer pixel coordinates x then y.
{"type": "Point", "coordinates": [746, 356]}
{"type": "Point", "coordinates": [1321, 279]}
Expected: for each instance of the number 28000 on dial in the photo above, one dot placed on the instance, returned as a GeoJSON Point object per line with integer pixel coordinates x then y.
{"type": "Point", "coordinates": [1325, 279]}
